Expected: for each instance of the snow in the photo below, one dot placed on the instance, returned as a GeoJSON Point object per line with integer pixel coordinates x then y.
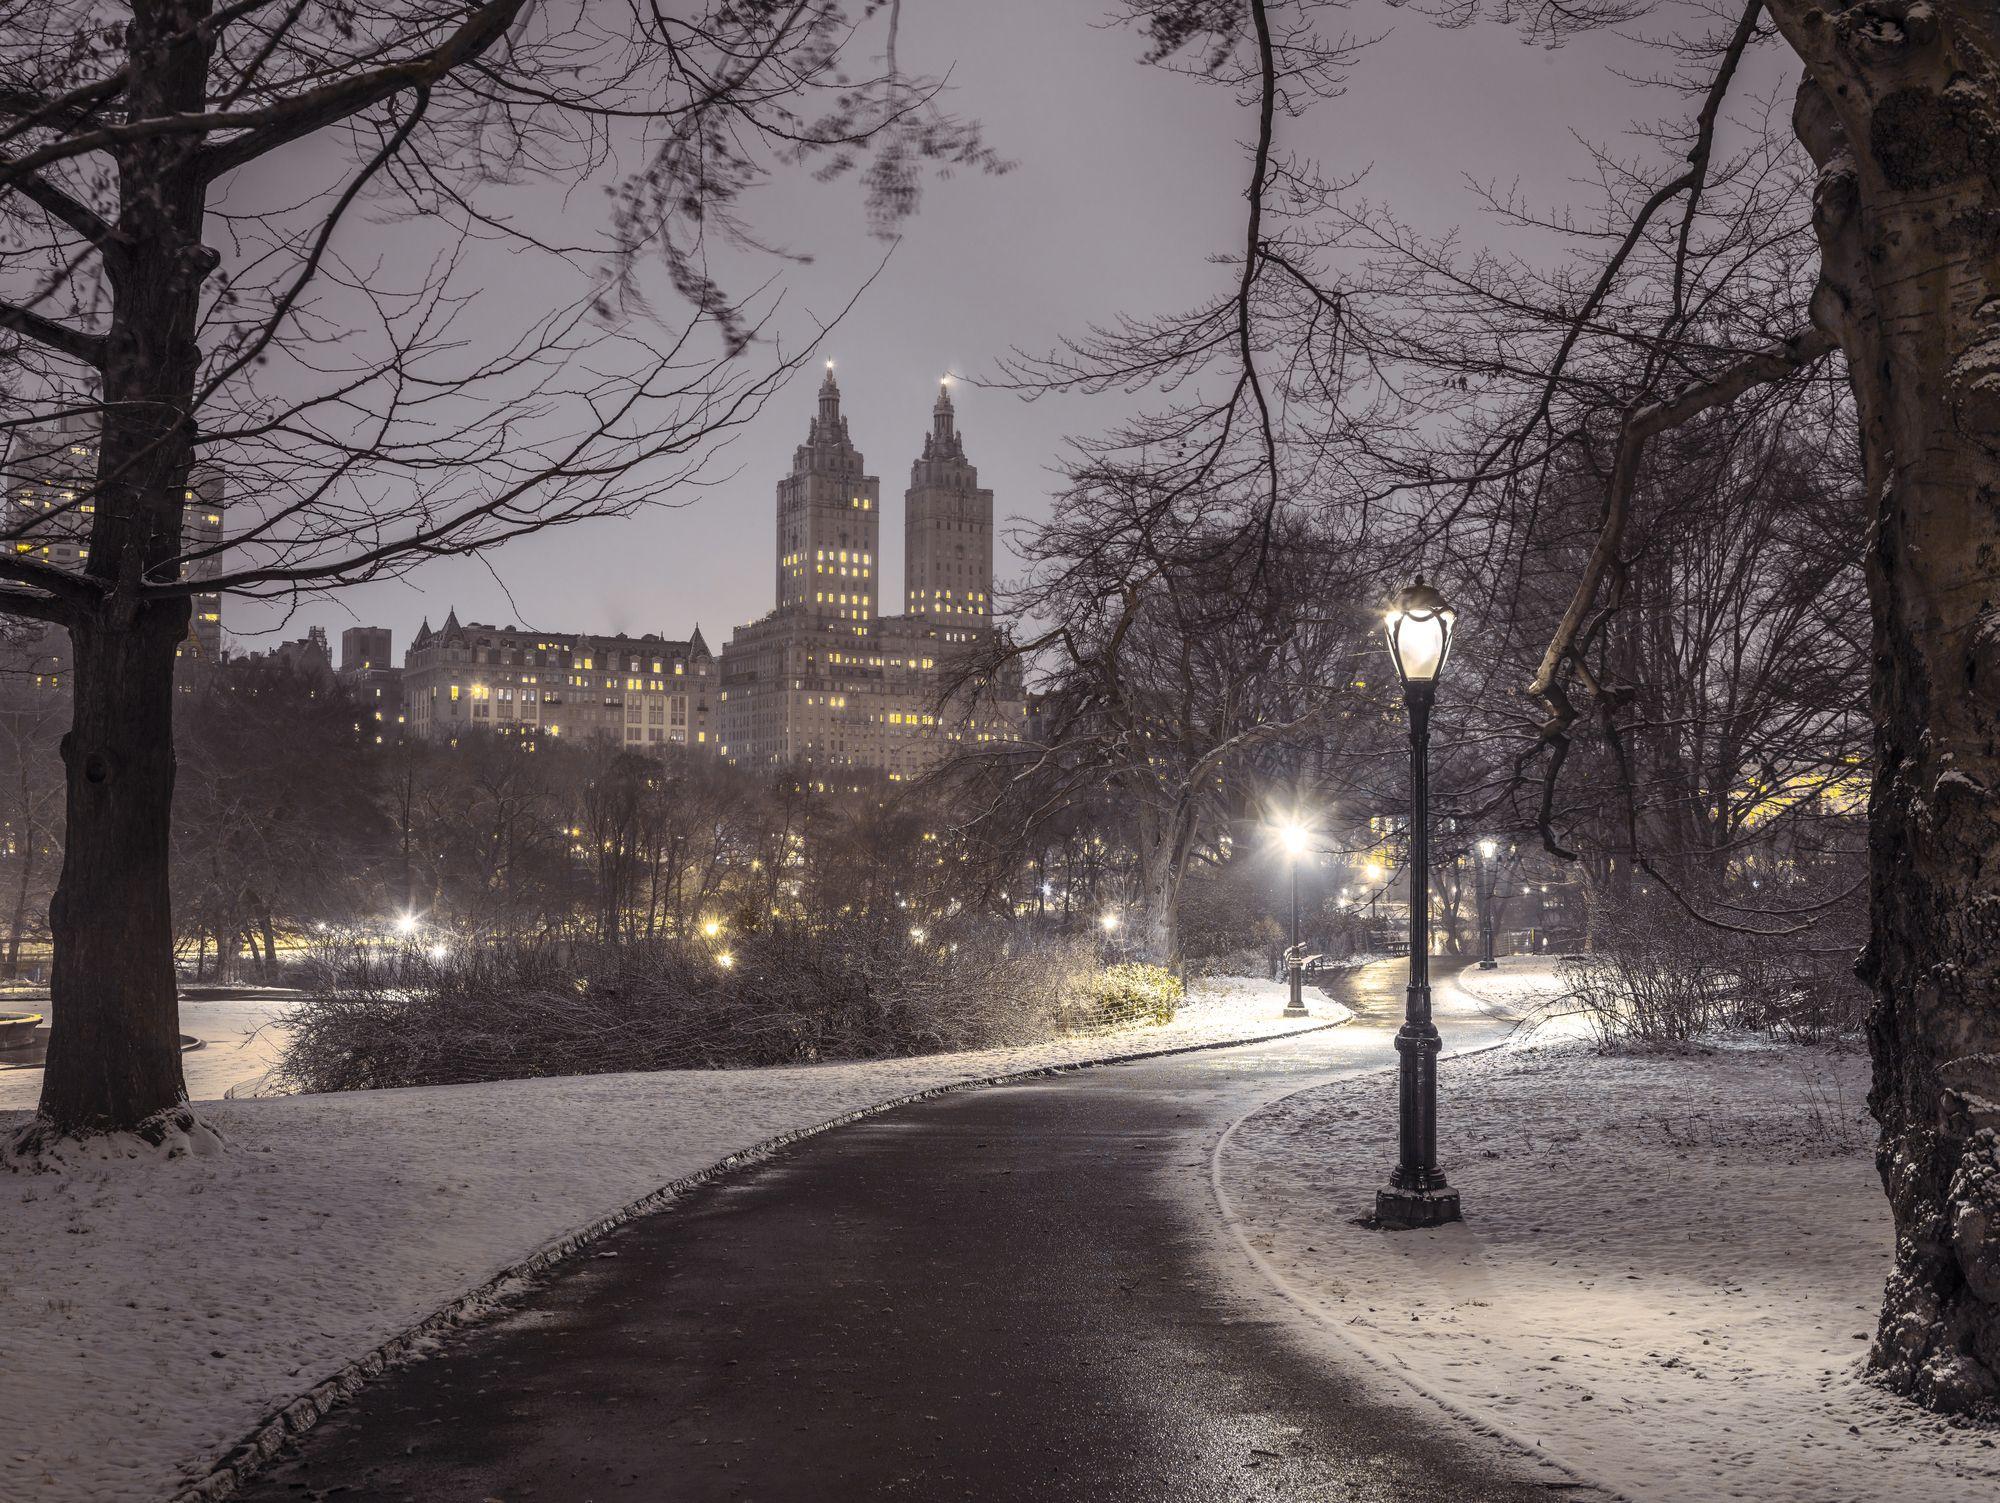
{"type": "Point", "coordinates": [1667, 1275]}
{"type": "Point", "coordinates": [153, 1312]}
{"type": "Point", "coordinates": [1524, 986]}
{"type": "Point", "coordinates": [240, 1038]}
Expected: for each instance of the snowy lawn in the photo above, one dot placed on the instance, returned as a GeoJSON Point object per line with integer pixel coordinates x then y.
{"type": "Point", "coordinates": [152, 1313]}
{"type": "Point", "coordinates": [1667, 1275]}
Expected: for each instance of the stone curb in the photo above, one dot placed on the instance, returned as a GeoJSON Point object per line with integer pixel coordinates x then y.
{"type": "Point", "coordinates": [243, 1460]}
{"type": "Point", "coordinates": [1368, 1356]}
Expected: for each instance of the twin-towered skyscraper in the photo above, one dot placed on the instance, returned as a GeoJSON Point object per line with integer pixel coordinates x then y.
{"type": "Point", "coordinates": [830, 516]}
{"type": "Point", "coordinates": [826, 679]}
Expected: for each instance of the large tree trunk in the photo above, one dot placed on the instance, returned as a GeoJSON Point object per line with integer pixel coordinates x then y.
{"type": "Point", "coordinates": [114, 1057]}
{"type": "Point", "coordinates": [114, 1051]}
{"type": "Point", "coordinates": [1901, 109]}
{"type": "Point", "coordinates": [1165, 843]}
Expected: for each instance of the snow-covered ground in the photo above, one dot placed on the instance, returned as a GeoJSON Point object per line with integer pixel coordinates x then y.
{"type": "Point", "coordinates": [1667, 1274]}
{"type": "Point", "coordinates": [240, 1043]}
{"type": "Point", "coordinates": [152, 1313]}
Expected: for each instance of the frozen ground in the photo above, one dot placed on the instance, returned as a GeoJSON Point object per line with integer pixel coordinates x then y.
{"type": "Point", "coordinates": [240, 1043]}
{"type": "Point", "coordinates": [1667, 1273]}
{"type": "Point", "coordinates": [151, 1313]}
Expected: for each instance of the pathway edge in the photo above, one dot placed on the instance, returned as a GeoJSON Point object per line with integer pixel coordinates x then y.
{"type": "Point", "coordinates": [240, 1462]}
{"type": "Point", "coordinates": [1373, 1361]}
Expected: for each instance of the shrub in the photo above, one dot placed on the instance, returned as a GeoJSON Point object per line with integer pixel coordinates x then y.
{"type": "Point", "coordinates": [369, 1021]}
{"type": "Point", "coordinates": [1132, 992]}
{"type": "Point", "coordinates": [1657, 975]}
{"type": "Point", "coordinates": [1219, 913]}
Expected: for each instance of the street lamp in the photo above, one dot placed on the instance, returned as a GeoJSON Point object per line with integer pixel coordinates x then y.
{"type": "Point", "coordinates": [1293, 836]}
{"type": "Point", "coordinates": [1419, 627]}
{"type": "Point", "coordinates": [1487, 850]}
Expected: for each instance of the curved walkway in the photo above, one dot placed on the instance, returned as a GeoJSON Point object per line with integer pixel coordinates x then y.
{"type": "Point", "coordinates": [1016, 1293]}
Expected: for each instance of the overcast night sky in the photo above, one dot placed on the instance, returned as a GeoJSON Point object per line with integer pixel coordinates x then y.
{"type": "Point", "coordinates": [1127, 180]}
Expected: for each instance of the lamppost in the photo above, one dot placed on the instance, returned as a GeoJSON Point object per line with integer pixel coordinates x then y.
{"type": "Point", "coordinates": [1293, 836]}
{"type": "Point", "coordinates": [1487, 850]}
{"type": "Point", "coordinates": [1419, 629]}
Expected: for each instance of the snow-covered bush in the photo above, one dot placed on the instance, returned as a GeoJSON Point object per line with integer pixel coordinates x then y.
{"type": "Point", "coordinates": [1656, 974]}
{"type": "Point", "coordinates": [1132, 992]}
{"type": "Point", "coordinates": [776, 996]}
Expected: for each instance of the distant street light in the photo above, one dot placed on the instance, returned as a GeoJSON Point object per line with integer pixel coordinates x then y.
{"type": "Point", "coordinates": [1419, 628]}
{"type": "Point", "coordinates": [711, 927]}
{"type": "Point", "coordinates": [1110, 923]}
{"type": "Point", "coordinates": [725, 960]}
{"type": "Point", "coordinates": [1294, 837]}
{"type": "Point", "coordinates": [406, 923]}
{"type": "Point", "coordinates": [1487, 850]}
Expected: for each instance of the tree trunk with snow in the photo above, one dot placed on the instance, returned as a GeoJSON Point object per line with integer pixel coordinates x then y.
{"type": "Point", "coordinates": [114, 1062]}
{"type": "Point", "coordinates": [1901, 110]}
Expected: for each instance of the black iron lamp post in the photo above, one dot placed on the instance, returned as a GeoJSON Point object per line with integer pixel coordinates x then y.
{"type": "Point", "coordinates": [1487, 850]}
{"type": "Point", "coordinates": [1293, 834]}
{"type": "Point", "coordinates": [1419, 630]}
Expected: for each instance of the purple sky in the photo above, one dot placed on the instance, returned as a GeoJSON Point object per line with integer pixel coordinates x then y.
{"type": "Point", "coordinates": [1127, 180]}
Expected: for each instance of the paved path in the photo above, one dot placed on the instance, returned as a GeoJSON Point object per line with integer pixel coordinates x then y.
{"type": "Point", "coordinates": [1016, 1293]}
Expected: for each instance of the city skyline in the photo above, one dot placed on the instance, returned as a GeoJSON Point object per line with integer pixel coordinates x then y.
{"type": "Point", "coordinates": [1142, 174]}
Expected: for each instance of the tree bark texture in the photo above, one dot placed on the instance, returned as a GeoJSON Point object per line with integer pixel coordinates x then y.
{"type": "Point", "coordinates": [114, 1057]}
{"type": "Point", "coordinates": [1901, 110]}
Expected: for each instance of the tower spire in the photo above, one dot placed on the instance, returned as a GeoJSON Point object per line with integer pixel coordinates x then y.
{"type": "Point", "coordinates": [943, 441]}
{"type": "Point", "coordinates": [828, 426]}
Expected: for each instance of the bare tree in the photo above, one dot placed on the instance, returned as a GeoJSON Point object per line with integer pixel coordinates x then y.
{"type": "Point", "coordinates": [1452, 393]}
{"type": "Point", "coordinates": [164, 284]}
{"type": "Point", "coordinates": [1194, 663]}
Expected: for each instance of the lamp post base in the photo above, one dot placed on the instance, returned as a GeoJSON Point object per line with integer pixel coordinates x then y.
{"type": "Point", "coordinates": [1295, 1006]}
{"type": "Point", "coordinates": [1398, 1210]}
{"type": "Point", "coordinates": [1489, 965]}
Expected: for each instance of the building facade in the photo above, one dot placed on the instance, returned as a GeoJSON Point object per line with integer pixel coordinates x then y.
{"type": "Point", "coordinates": [368, 667]}
{"type": "Point", "coordinates": [51, 473]}
{"type": "Point", "coordinates": [646, 692]}
{"type": "Point", "coordinates": [826, 680]}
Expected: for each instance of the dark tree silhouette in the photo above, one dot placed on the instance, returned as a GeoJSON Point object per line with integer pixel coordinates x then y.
{"type": "Point", "coordinates": [1441, 395]}
{"type": "Point", "coordinates": [164, 282]}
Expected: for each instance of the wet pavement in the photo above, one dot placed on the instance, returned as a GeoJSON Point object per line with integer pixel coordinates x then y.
{"type": "Point", "coordinates": [1013, 1293]}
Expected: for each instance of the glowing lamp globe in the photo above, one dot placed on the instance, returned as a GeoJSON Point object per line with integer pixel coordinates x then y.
{"type": "Point", "coordinates": [1419, 627]}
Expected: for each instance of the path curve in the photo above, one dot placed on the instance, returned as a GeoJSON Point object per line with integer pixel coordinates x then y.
{"type": "Point", "coordinates": [1005, 1294]}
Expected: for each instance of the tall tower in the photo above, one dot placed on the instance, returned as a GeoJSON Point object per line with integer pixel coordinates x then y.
{"type": "Point", "coordinates": [947, 531]}
{"type": "Point", "coordinates": [829, 515]}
